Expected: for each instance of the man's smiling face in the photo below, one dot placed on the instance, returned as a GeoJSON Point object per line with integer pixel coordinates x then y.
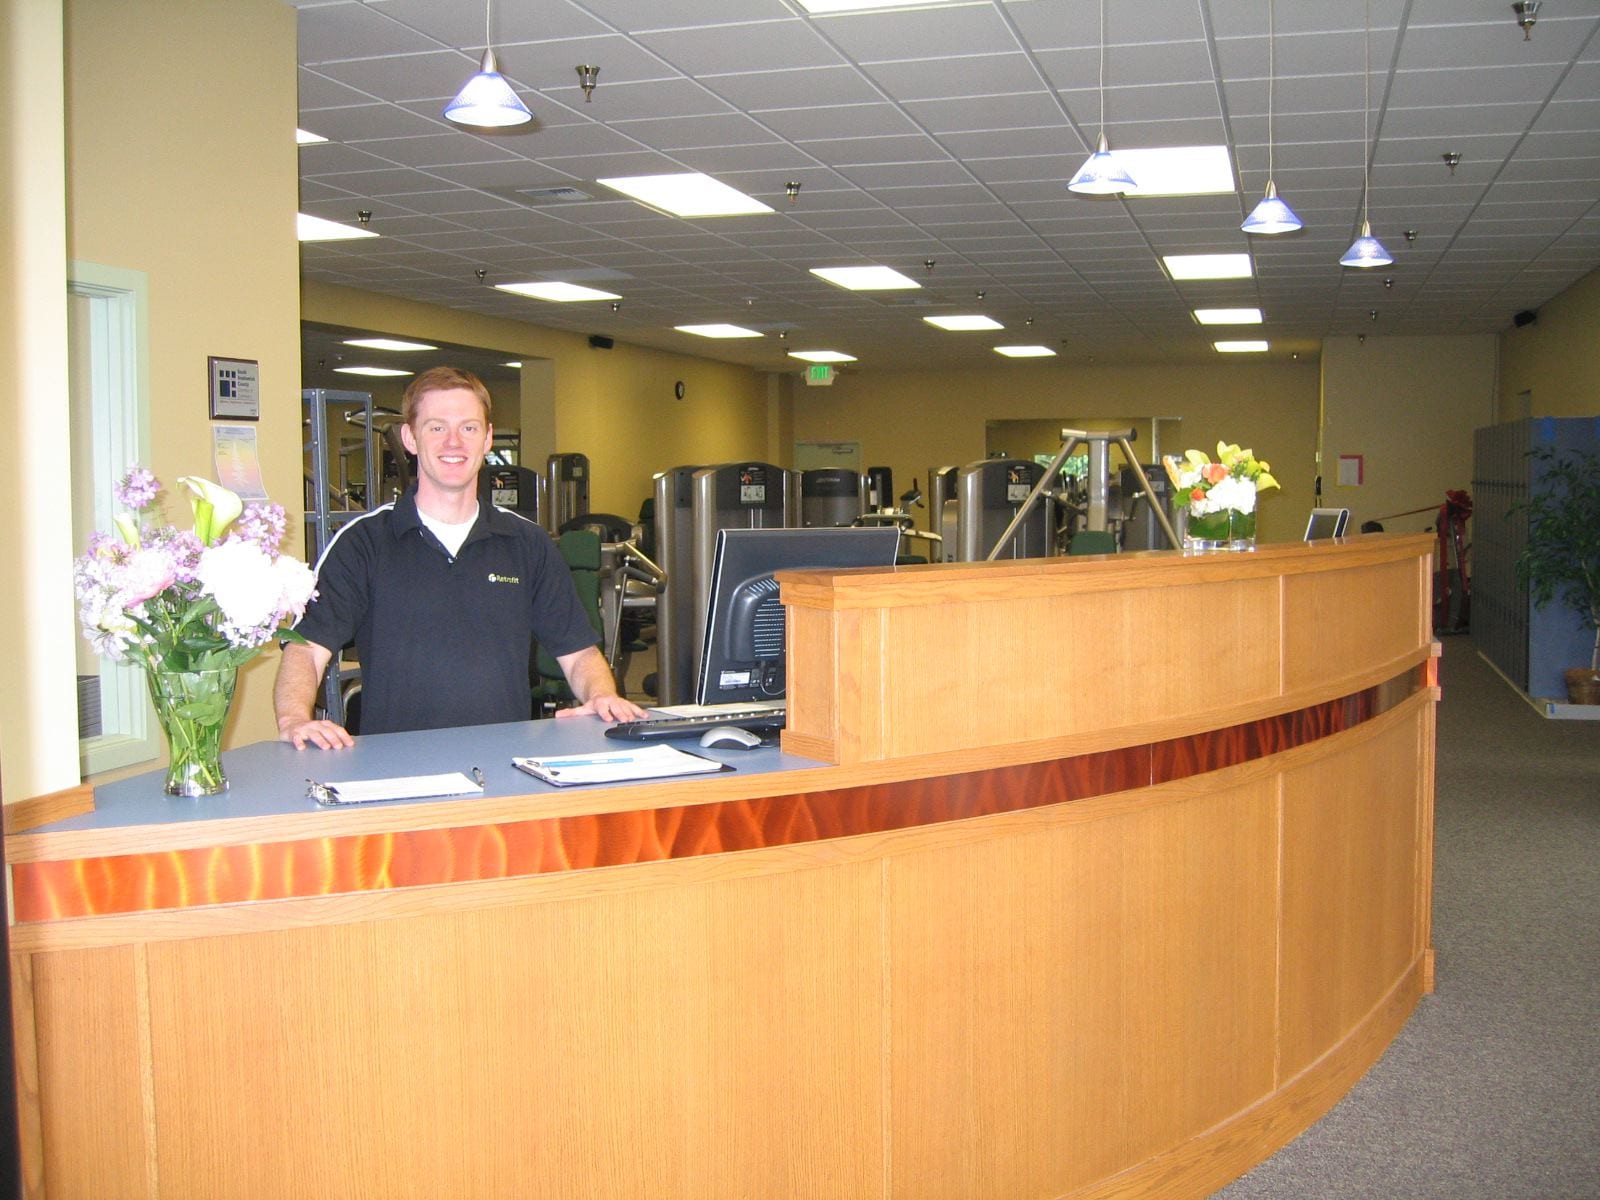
{"type": "Point", "coordinates": [450, 436]}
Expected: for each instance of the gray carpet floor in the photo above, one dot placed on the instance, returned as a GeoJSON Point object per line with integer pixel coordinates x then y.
{"type": "Point", "coordinates": [1493, 1087]}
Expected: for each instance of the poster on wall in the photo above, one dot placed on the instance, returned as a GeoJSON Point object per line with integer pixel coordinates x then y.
{"type": "Point", "coordinates": [237, 457]}
{"type": "Point", "coordinates": [235, 388]}
{"type": "Point", "coordinates": [1352, 470]}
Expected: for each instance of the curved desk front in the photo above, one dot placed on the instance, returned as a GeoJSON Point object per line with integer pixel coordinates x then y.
{"type": "Point", "coordinates": [1088, 877]}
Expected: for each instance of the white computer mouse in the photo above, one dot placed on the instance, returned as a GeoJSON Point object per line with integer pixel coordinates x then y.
{"type": "Point", "coordinates": [729, 737]}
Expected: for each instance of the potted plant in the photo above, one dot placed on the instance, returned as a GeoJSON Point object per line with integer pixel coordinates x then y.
{"type": "Point", "coordinates": [1562, 555]}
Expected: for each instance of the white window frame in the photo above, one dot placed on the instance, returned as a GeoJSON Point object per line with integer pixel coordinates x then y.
{"type": "Point", "coordinates": [118, 342]}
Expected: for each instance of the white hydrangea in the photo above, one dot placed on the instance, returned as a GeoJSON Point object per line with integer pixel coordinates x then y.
{"type": "Point", "coordinates": [243, 580]}
{"type": "Point", "coordinates": [1236, 494]}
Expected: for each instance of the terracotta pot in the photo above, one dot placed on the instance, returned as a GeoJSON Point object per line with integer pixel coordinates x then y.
{"type": "Point", "coordinates": [1583, 685]}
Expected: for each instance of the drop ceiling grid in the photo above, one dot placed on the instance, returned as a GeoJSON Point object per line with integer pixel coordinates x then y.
{"type": "Point", "coordinates": [982, 105]}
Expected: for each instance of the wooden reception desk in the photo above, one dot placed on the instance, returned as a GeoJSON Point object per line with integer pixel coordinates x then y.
{"type": "Point", "coordinates": [1074, 878]}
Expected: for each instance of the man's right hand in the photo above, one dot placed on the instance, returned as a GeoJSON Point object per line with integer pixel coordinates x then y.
{"type": "Point", "coordinates": [329, 735]}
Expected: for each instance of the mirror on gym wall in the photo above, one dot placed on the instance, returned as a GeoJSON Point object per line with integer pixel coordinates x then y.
{"type": "Point", "coordinates": [1040, 438]}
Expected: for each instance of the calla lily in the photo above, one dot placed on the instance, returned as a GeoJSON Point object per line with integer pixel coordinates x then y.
{"type": "Point", "coordinates": [1264, 480]}
{"type": "Point", "coordinates": [215, 508]}
{"type": "Point", "coordinates": [127, 527]}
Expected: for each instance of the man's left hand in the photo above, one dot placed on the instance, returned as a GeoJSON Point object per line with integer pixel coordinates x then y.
{"type": "Point", "coordinates": [610, 707]}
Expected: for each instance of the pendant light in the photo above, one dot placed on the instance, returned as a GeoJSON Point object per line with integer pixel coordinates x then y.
{"type": "Point", "coordinates": [1366, 250]}
{"type": "Point", "coordinates": [486, 100]}
{"type": "Point", "coordinates": [1272, 215]}
{"type": "Point", "coordinates": [1101, 174]}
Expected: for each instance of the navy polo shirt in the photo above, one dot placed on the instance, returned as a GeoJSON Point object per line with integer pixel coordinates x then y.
{"type": "Point", "coordinates": [444, 640]}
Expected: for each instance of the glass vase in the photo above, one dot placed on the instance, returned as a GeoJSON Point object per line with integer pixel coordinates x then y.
{"type": "Point", "coordinates": [1224, 529]}
{"type": "Point", "coordinates": [192, 707]}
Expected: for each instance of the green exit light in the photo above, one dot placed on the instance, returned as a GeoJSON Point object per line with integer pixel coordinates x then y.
{"type": "Point", "coordinates": [819, 374]}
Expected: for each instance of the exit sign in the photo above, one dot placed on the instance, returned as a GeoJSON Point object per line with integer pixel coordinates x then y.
{"type": "Point", "coordinates": [819, 375]}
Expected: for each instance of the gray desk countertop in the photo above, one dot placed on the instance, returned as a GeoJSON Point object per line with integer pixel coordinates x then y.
{"type": "Point", "coordinates": [269, 778]}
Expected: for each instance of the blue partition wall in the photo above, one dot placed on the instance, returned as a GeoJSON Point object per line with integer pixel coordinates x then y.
{"type": "Point", "coordinates": [1532, 646]}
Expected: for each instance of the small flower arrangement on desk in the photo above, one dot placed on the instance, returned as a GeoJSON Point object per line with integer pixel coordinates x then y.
{"type": "Point", "coordinates": [1218, 499]}
{"type": "Point", "coordinates": [190, 608]}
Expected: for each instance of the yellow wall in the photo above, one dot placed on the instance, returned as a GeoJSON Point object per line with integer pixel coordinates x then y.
{"type": "Point", "coordinates": [616, 406]}
{"type": "Point", "coordinates": [1556, 359]}
{"type": "Point", "coordinates": [38, 716]}
{"type": "Point", "coordinates": [913, 420]}
{"type": "Point", "coordinates": [182, 165]}
{"type": "Point", "coordinates": [1408, 406]}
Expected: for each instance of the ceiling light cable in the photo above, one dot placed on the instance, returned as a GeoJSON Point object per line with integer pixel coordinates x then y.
{"type": "Point", "coordinates": [1272, 215]}
{"type": "Point", "coordinates": [1366, 250]}
{"type": "Point", "coordinates": [1102, 174]}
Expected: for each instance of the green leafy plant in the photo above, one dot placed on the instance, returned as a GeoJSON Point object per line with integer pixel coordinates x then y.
{"type": "Point", "coordinates": [1562, 556]}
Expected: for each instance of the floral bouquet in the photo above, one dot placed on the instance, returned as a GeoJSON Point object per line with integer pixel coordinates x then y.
{"type": "Point", "coordinates": [1219, 497]}
{"type": "Point", "coordinates": [190, 608]}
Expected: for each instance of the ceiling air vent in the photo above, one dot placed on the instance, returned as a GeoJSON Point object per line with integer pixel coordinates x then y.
{"type": "Point", "coordinates": [549, 195]}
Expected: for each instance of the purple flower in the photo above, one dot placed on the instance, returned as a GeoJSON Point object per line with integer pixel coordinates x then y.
{"type": "Point", "coordinates": [263, 524]}
{"type": "Point", "coordinates": [137, 490]}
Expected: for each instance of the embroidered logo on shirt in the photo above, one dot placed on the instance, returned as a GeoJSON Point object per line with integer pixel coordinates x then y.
{"type": "Point", "coordinates": [493, 578]}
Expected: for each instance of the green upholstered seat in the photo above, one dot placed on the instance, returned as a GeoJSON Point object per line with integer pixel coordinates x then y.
{"type": "Point", "coordinates": [1093, 541]}
{"type": "Point", "coordinates": [580, 550]}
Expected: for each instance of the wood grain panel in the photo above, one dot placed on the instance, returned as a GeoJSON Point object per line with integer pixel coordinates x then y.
{"type": "Point", "coordinates": [1070, 1002]}
{"type": "Point", "coordinates": [90, 1047]}
{"type": "Point", "coordinates": [1047, 666]}
{"type": "Point", "coordinates": [1336, 621]}
{"type": "Point", "coordinates": [1350, 886]}
{"type": "Point", "coordinates": [709, 1040]}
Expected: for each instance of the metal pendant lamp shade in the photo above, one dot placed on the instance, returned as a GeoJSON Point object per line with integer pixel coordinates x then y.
{"type": "Point", "coordinates": [1272, 215]}
{"type": "Point", "coordinates": [1101, 174]}
{"type": "Point", "coordinates": [487, 100]}
{"type": "Point", "coordinates": [1366, 251]}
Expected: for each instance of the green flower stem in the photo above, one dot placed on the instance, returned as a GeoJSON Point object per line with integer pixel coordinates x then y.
{"type": "Point", "coordinates": [192, 707]}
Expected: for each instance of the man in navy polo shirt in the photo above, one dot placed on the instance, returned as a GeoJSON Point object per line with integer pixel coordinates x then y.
{"type": "Point", "coordinates": [443, 598]}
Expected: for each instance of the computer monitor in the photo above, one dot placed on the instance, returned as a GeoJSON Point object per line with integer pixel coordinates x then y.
{"type": "Point", "coordinates": [1326, 523]}
{"type": "Point", "coordinates": [742, 654]}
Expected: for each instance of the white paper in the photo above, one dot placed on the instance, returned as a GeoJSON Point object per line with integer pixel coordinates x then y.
{"type": "Point", "coordinates": [405, 787]}
{"type": "Point", "coordinates": [616, 766]}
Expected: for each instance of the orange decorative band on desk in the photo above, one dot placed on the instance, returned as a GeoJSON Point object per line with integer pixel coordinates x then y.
{"type": "Point", "coordinates": [414, 858]}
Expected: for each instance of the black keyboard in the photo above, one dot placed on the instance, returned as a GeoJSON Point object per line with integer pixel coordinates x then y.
{"type": "Point", "coordinates": [756, 720]}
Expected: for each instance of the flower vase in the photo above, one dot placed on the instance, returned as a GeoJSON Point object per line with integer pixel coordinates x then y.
{"type": "Point", "coordinates": [1224, 529]}
{"type": "Point", "coordinates": [192, 707]}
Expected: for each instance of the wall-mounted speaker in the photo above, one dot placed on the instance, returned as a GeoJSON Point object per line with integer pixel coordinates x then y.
{"type": "Point", "coordinates": [1526, 317]}
{"type": "Point", "coordinates": [601, 342]}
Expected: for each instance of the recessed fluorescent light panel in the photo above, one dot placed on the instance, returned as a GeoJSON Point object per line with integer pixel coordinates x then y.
{"type": "Point", "coordinates": [717, 331]}
{"type": "Point", "coordinates": [822, 356]}
{"type": "Point", "coordinates": [561, 292]}
{"type": "Point", "coordinates": [1178, 170]}
{"type": "Point", "coordinates": [513, 364]}
{"type": "Point", "coordinates": [380, 372]}
{"type": "Point", "coordinates": [866, 279]}
{"type": "Point", "coordinates": [1242, 347]}
{"type": "Point", "coordinates": [837, 6]}
{"type": "Point", "coordinates": [964, 322]}
{"type": "Point", "coordinates": [387, 344]}
{"type": "Point", "coordinates": [1025, 351]}
{"type": "Point", "coordinates": [304, 137]}
{"type": "Point", "coordinates": [315, 229]}
{"type": "Point", "coordinates": [1207, 266]}
{"type": "Point", "coordinates": [686, 195]}
{"type": "Point", "coordinates": [1228, 316]}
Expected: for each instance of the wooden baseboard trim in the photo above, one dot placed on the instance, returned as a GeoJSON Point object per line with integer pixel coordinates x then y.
{"type": "Point", "coordinates": [1204, 1164]}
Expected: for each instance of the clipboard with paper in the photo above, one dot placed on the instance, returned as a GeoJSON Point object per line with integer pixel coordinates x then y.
{"type": "Point", "coordinates": [619, 766]}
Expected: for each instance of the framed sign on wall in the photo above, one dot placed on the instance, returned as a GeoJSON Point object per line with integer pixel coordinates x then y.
{"type": "Point", "coordinates": [234, 388]}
